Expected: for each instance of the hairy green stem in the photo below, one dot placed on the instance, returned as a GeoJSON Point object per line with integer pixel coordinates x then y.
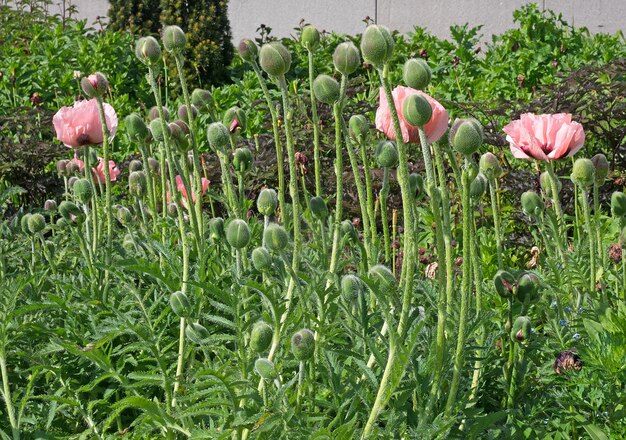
{"type": "Point", "coordinates": [316, 129]}
{"type": "Point", "coordinates": [591, 236]}
{"type": "Point", "coordinates": [384, 192]}
{"type": "Point", "coordinates": [6, 395]}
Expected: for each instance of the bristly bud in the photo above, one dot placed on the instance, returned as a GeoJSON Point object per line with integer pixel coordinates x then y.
{"type": "Point", "coordinates": [202, 99]}
{"type": "Point", "coordinates": [218, 136]}
{"type": "Point", "coordinates": [416, 185]}
{"type": "Point", "coordinates": [545, 181]}
{"type": "Point", "coordinates": [83, 191]}
{"type": "Point", "coordinates": [178, 136]}
{"type": "Point", "coordinates": [266, 369]}
{"type": "Point", "coordinates": [466, 136]}
{"type": "Point", "coordinates": [310, 37]}
{"type": "Point", "coordinates": [242, 160]}
{"type": "Point", "coordinates": [275, 238]}
{"type": "Point", "coordinates": [153, 164]}
{"type": "Point", "coordinates": [478, 186]}
{"type": "Point", "coordinates": [319, 208]}
{"type": "Point", "coordinates": [275, 59]}
{"type": "Point", "coordinates": [416, 73]}
{"type": "Point", "coordinates": [135, 165]}
{"type": "Point", "coordinates": [62, 167]}
{"type": "Point", "coordinates": [238, 233]}
{"type": "Point", "coordinates": [68, 210]}
{"type": "Point", "coordinates": [124, 216]}
{"type": "Point", "coordinates": [156, 128]}
{"type": "Point", "coordinates": [235, 118]}
{"type": "Point", "coordinates": [248, 50]}
{"type": "Point", "coordinates": [527, 288]}
{"type": "Point", "coordinates": [154, 113]}
{"type": "Point", "coordinates": [359, 127]}
{"type": "Point", "coordinates": [94, 85]}
{"type": "Point", "coordinates": [347, 228]}
{"type": "Point", "coordinates": [183, 113]}
{"type": "Point", "coordinates": [172, 210]}
{"type": "Point", "coordinates": [386, 154]}
{"type": "Point", "coordinates": [261, 259]}
{"type": "Point", "coordinates": [72, 180]}
{"type": "Point", "coordinates": [416, 110]}
{"type": "Point", "coordinates": [261, 336]}
{"type": "Point", "coordinates": [583, 172]}
{"type": "Point", "coordinates": [352, 287]}
{"type": "Point", "coordinates": [50, 206]}
{"type": "Point", "coordinates": [504, 283]}
{"type": "Point", "coordinates": [24, 223]}
{"type": "Point", "coordinates": [303, 344]}
{"type": "Point", "coordinates": [36, 223]}
{"type": "Point", "coordinates": [532, 204]}
{"type": "Point", "coordinates": [137, 183]}
{"type": "Point", "coordinates": [489, 165]}
{"type": "Point", "coordinates": [148, 50]}
{"type": "Point", "coordinates": [174, 39]}
{"type": "Point", "coordinates": [383, 277]}
{"type": "Point", "coordinates": [216, 227]}
{"type": "Point", "coordinates": [267, 201]}
{"type": "Point", "coordinates": [521, 329]}
{"type": "Point", "coordinates": [137, 129]}
{"type": "Point", "coordinates": [180, 304]}
{"type": "Point", "coordinates": [618, 204]}
{"type": "Point", "coordinates": [326, 89]}
{"type": "Point", "coordinates": [601, 167]}
{"type": "Point", "coordinates": [197, 333]}
{"type": "Point", "coordinates": [377, 45]}
{"type": "Point", "coordinates": [346, 58]}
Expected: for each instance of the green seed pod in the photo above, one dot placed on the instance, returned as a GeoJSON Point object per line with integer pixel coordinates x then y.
{"type": "Point", "coordinates": [416, 110]}
{"type": "Point", "coordinates": [248, 50]}
{"type": "Point", "coordinates": [238, 233]}
{"type": "Point", "coordinates": [583, 173]}
{"type": "Point", "coordinates": [68, 210]}
{"type": "Point", "coordinates": [351, 287]}
{"type": "Point", "coordinates": [377, 45]}
{"type": "Point", "coordinates": [310, 37]}
{"type": "Point", "coordinates": [154, 113]}
{"type": "Point", "coordinates": [83, 191]}
{"type": "Point", "coordinates": [347, 228]}
{"type": "Point", "coordinates": [124, 216]}
{"type": "Point", "coordinates": [275, 59]}
{"type": "Point", "coordinates": [546, 184]}
{"type": "Point", "coordinates": [618, 204]}
{"type": "Point", "coordinates": [235, 118]}
{"type": "Point", "coordinates": [261, 336]}
{"type": "Point", "coordinates": [601, 167]}
{"type": "Point", "coordinates": [359, 128]}
{"type": "Point", "coordinates": [156, 128]}
{"type": "Point", "coordinates": [197, 333]}
{"type": "Point", "coordinates": [218, 136]}
{"type": "Point", "coordinates": [24, 223]}
{"type": "Point", "coordinates": [137, 183]}
{"type": "Point", "coordinates": [532, 204]}
{"type": "Point", "coordinates": [527, 288]}
{"type": "Point", "coordinates": [478, 187]}
{"type": "Point", "coordinates": [346, 58]}
{"type": "Point", "coordinates": [216, 227]}
{"type": "Point", "coordinates": [50, 206]}
{"type": "Point", "coordinates": [261, 259]}
{"type": "Point", "coordinates": [521, 329]}
{"type": "Point", "coordinates": [135, 165]}
{"type": "Point", "coordinates": [504, 282]}
{"type": "Point", "coordinates": [319, 208]}
{"type": "Point", "coordinates": [416, 184]}
{"type": "Point", "coordinates": [383, 278]}
{"type": "Point", "coordinates": [36, 223]}
{"type": "Point", "coordinates": [242, 160]}
{"type": "Point", "coordinates": [180, 304]}
{"type": "Point", "coordinates": [174, 39]}
{"type": "Point", "coordinates": [386, 154]}
{"type": "Point", "coordinates": [416, 73]}
{"type": "Point", "coordinates": [303, 344]}
{"type": "Point", "coordinates": [266, 369]}
{"type": "Point", "coordinates": [267, 202]}
{"type": "Point", "coordinates": [148, 50]}
{"type": "Point", "coordinates": [94, 85]}
{"type": "Point", "coordinates": [466, 136]}
{"type": "Point", "coordinates": [275, 237]}
{"type": "Point", "coordinates": [326, 89]}
{"type": "Point", "coordinates": [489, 165]}
{"type": "Point", "coordinates": [202, 99]}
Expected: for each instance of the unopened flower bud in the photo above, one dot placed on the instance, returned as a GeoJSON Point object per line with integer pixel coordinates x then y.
{"type": "Point", "coordinates": [416, 73]}
{"type": "Point", "coordinates": [527, 288]}
{"type": "Point", "coordinates": [242, 160]}
{"type": "Point", "coordinates": [238, 233]}
{"type": "Point", "coordinates": [489, 165]}
{"type": "Point", "coordinates": [521, 329]}
{"type": "Point", "coordinates": [248, 50]}
{"type": "Point", "coordinates": [319, 208]}
{"type": "Point", "coordinates": [466, 136]}
{"type": "Point", "coordinates": [36, 223]}
{"type": "Point", "coordinates": [346, 58]}
{"type": "Point", "coordinates": [124, 216]}
{"type": "Point", "coordinates": [180, 304]}
{"type": "Point", "coordinates": [202, 99]}
{"type": "Point", "coordinates": [478, 186]}
{"type": "Point", "coordinates": [156, 128]}
{"type": "Point", "coordinates": [359, 127]}
{"type": "Point", "coordinates": [174, 39]}
{"type": "Point", "coordinates": [267, 202]}
{"type": "Point", "coordinates": [266, 369]}
{"type": "Point", "coordinates": [183, 113]}
{"type": "Point", "coordinates": [148, 50]}
{"type": "Point", "coordinates": [386, 154]}
{"type": "Point", "coordinates": [135, 165]}
{"type": "Point", "coordinates": [50, 205]}
{"type": "Point", "coordinates": [326, 89]}
{"type": "Point", "coordinates": [275, 238]}
{"type": "Point", "coordinates": [178, 137]}
{"type": "Point", "coordinates": [310, 37]}
{"type": "Point", "coordinates": [62, 167]}
{"type": "Point", "coordinates": [154, 113]}
{"type": "Point", "coordinates": [137, 183]}
{"type": "Point", "coordinates": [416, 110]}
{"type": "Point", "coordinates": [504, 283]}
{"type": "Point", "coordinates": [24, 223]}
{"type": "Point", "coordinates": [601, 167]}
{"type": "Point", "coordinates": [172, 210]}
{"type": "Point", "coordinates": [153, 164]}
{"type": "Point", "coordinates": [94, 85]}
{"type": "Point", "coordinates": [545, 181]}
{"type": "Point", "coordinates": [261, 259]}
{"type": "Point", "coordinates": [303, 344]}
{"type": "Point", "coordinates": [583, 172]}
{"type": "Point", "coordinates": [347, 228]}
{"type": "Point", "coordinates": [532, 204]}
{"type": "Point", "coordinates": [72, 168]}
{"type": "Point", "coordinates": [83, 191]}
{"type": "Point", "coordinates": [618, 204]}
{"type": "Point", "coordinates": [261, 336]}
{"type": "Point", "coordinates": [377, 45]}
{"type": "Point", "coordinates": [68, 210]}
{"type": "Point", "coordinates": [352, 287]}
{"type": "Point", "coordinates": [383, 277]}
{"type": "Point", "coordinates": [216, 227]}
{"type": "Point", "coordinates": [197, 333]}
{"type": "Point", "coordinates": [416, 185]}
{"type": "Point", "coordinates": [137, 129]}
{"type": "Point", "coordinates": [218, 136]}
{"type": "Point", "coordinates": [275, 59]}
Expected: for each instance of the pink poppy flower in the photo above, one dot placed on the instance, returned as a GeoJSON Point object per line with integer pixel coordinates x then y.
{"type": "Point", "coordinates": [80, 125]}
{"type": "Point", "coordinates": [180, 186]}
{"type": "Point", "coordinates": [98, 172]}
{"type": "Point", "coordinates": [544, 137]}
{"type": "Point", "coordinates": [78, 162]}
{"type": "Point", "coordinates": [434, 129]}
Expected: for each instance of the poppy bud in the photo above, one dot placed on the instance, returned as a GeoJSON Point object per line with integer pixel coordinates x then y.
{"type": "Point", "coordinates": [466, 136]}
{"type": "Point", "coordinates": [416, 184]}
{"type": "Point", "coordinates": [248, 50]}
{"type": "Point", "coordinates": [172, 210]}
{"type": "Point", "coordinates": [124, 216]}
{"type": "Point", "coordinates": [489, 165]}
{"type": "Point", "coordinates": [386, 154]}
{"type": "Point", "coordinates": [319, 208]}
{"type": "Point", "coordinates": [24, 223]}
{"type": "Point", "coordinates": [377, 45]}
{"type": "Point", "coordinates": [601, 167]}
{"type": "Point", "coordinates": [478, 186]}
{"type": "Point", "coordinates": [383, 277]}
{"type": "Point", "coordinates": [346, 58]}
{"type": "Point", "coordinates": [216, 227]}
{"type": "Point", "coordinates": [179, 137]}
{"type": "Point", "coordinates": [197, 333]}
{"type": "Point", "coordinates": [416, 73]}
{"type": "Point", "coordinates": [347, 228]}
{"type": "Point", "coordinates": [521, 329]}
{"type": "Point", "coordinates": [618, 204]}
{"type": "Point", "coordinates": [275, 59]}
{"type": "Point", "coordinates": [50, 205]}
{"type": "Point", "coordinates": [83, 190]}
{"type": "Point", "coordinates": [72, 180]}
{"type": "Point", "coordinates": [275, 237]}
{"type": "Point", "coordinates": [261, 336]}
{"type": "Point", "coordinates": [154, 113]}
{"type": "Point", "coordinates": [351, 287]}
{"type": "Point", "coordinates": [156, 128]}
{"type": "Point", "coordinates": [94, 85]}
{"type": "Point", "coordinates": [261, 259]}
{"type": "Point", "coordinates": [303, 344]}
{"type": "Point", "coordinates": [174, 39]}
{"type": "Point", "coordinates": [583, 172]}
{"type": "Point", "coordinates": [527, 288]}
{"type": "Point", "coordinates": [153, 164]}
{"type": "Point", "coordinates": [235, 118]}
{"type": "Point", "coordinates": [218, 136]}
{"type": "Point", "coordinates": [72, 168]}
{"type": "Point", "coordinates": [326, 89]}
{"type": "Point", "coordinates": [202, 99]}
{"type": "Point", "coordinates": [238, 234]}
{"type": "Point", "coordinates": [135, 165]}
{"type": "Point", "coordinates": [68, 209]}
{"type": "Point", "coordinates": [545, 181]}
{"type": "Point", "coordinates": [532, 204]}
{"type": "Point", "coordinates": [242, 160]}
{"type": "Point", "coordinates": [36, 223]}
{"type": "Point", "coordinates": [504, 282]}
{"type": "Point", "coordinates": [180, 304]}
{"type": "Point", "coordinates": [148, 50]}
{"type": "Point", "coordinates": [267, 202]}
{"type": "Point", "coordinates": [416, 110]}
{"type": "Point", "coordinates": [62, 167]}
{"type": "Point", "coordinates": [310, 37]}
{"type": "Point", "coordinates": [265, 368]}
{"type": "Point", "coordinates": [359, 127]}
{"type": "Point", "coordinates": [183, 112]}
{"type": "Point", "coordinates": [137, 183]}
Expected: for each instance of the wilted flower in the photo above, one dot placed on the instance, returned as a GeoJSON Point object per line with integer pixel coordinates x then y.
{"type": "Point", "coordinates": [80, 125]}
{"type": "Point", "coordinates": [544, 137]}
{"type": "Point", "coordinates": [567, 361]}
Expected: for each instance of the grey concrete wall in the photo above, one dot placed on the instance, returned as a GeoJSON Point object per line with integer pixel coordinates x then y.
{"type": "Point", "coordinates": [437, 15]}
